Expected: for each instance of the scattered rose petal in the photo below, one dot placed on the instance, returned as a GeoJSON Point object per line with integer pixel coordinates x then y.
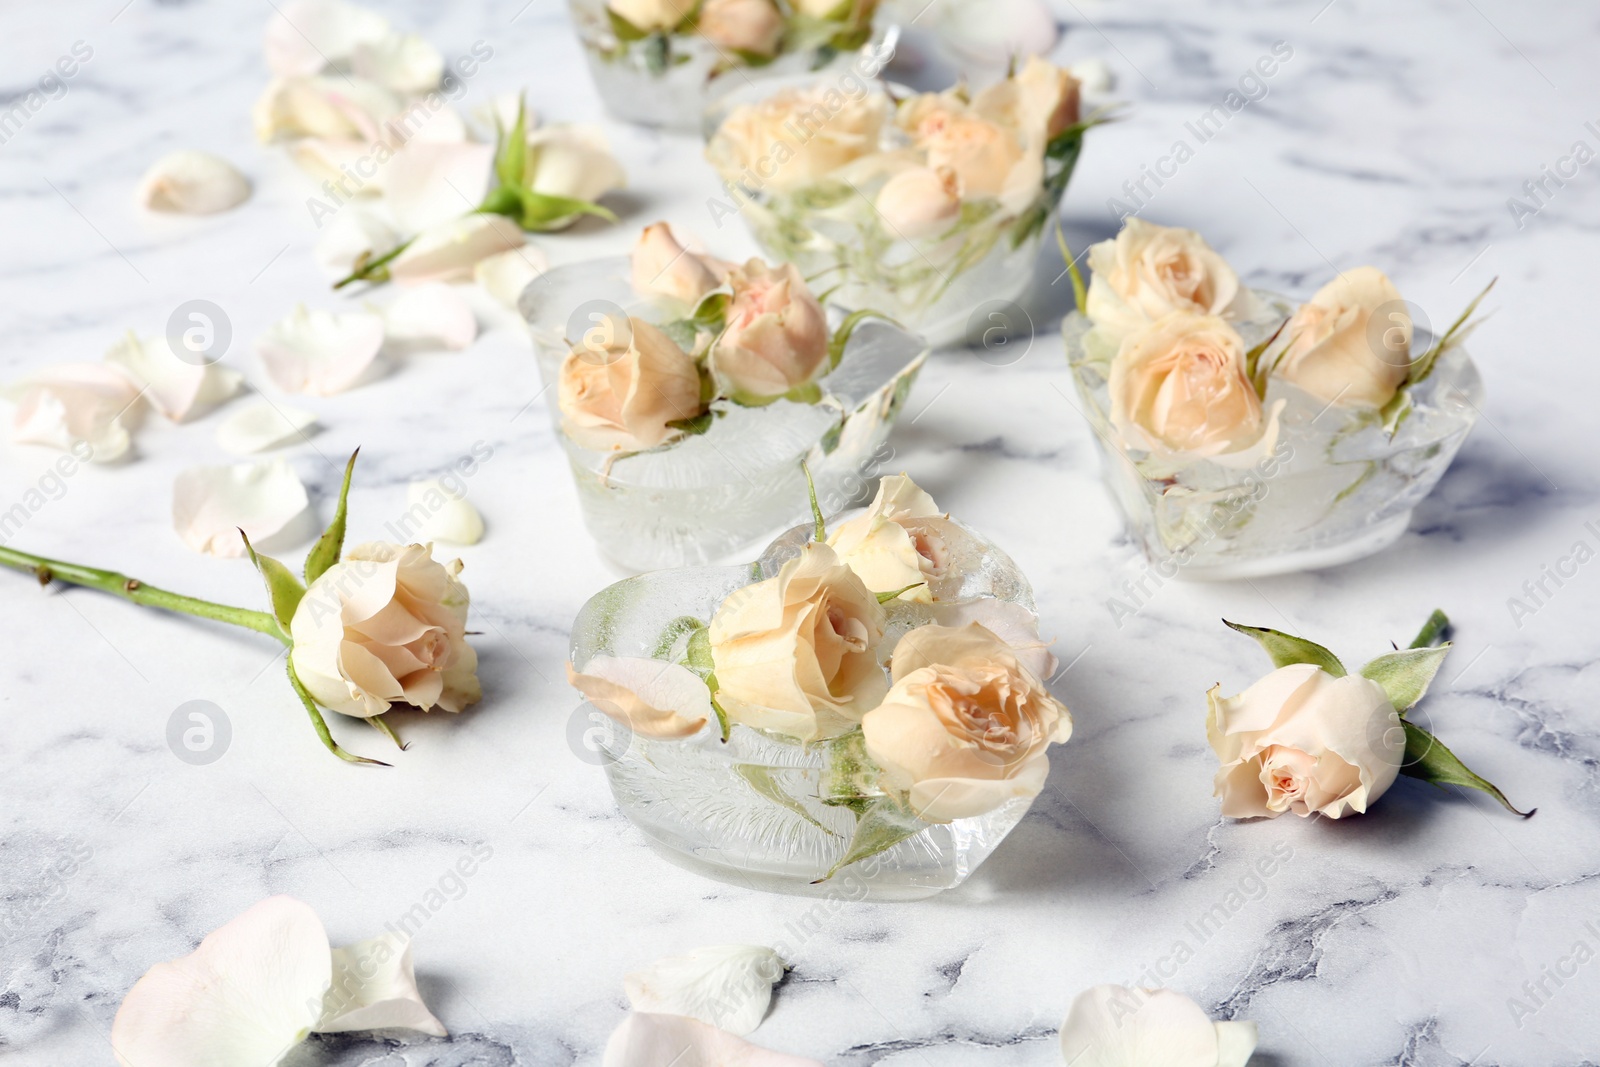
{"type": "Point", "coordinates": [353, 231]}
{"type": "Point", "coordinates": [996, 31]}
{"type": "Point", "coordinates": [263, 426]}
{"type": "Point", "coordinates": [328, 159]}
{"type": "Point", "coordinates": [442, 514]}
{"type": "Point", "coordinates": [645, 1040]}
{"type": "Point", "coordinates": [429, 183]}
{"type": "Point", "coordinates": [1094, 75]}
{"type": "Point", "coordinates": [433, 315]}
{"type": "Point", "coordinates": [339, 108]}
{"type": "Point", "coordinates": [210, 505]}
{"type": "Point", "coordinates": [375, 988]}
{"type": "Point", "coordinates": [74, 405]}
{"type": "Point", "coordinates": [320, 352]}
{"type": "Point", "coordinates": [727, 986]}
{"type": "Point", "coordinates": [175, 387]}
{"type": "Point", "coordinates": [193, 183]}
{"type": "Point", "coordinates": [304, 36]}
{"type": "Point", "coordinates": [404, 62]}
{"type": "Point", "coordinates": [1114, 1026]}
{"type": "Point", "coordinates": [249, 993]}
{"type": "Point", "coordinates": [449, 252]}
{"type": "Point", "coordinates": [506, 275]}
{"type": "Point", "coordinates": [648, 696]}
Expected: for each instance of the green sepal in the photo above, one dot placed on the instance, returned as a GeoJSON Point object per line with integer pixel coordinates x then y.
{"type": "Point", "coordinates": [511, 156]}
{"type": "Point", "coordinates": [1080, 291]}
{"type": "Point", "coordinates": [325, 553]}
{"type": "Point", "coordinates": [883, 825]}
{"type": "Point", "coordinates": [1286, 650]}
{"type": "Point", "coordinates": [538, 211]}
{"type": "Point", "coordinates": [884, 598]}
{"type": "Point", "coordinates": [1428, 759]}
{"type": "Point", "coordinates": [625, 30]}
{"type": "Point", "coordinates": [683, 624]}
{"type": "Point", "coordinates": [1433, 631]}
{"type": "Point", "coordinates": [698, 653]}
{"type": "Point", "coordinates": [841, 336]}
{"type": "Point", "coordinates": [1252, 361]}
{"type": "Point", "coordinates": [321, 726]}
{"type": "Point", "coordinates": [1406, 675]}
{"type": "Point", "coordinates": [820, 529]}
{"type": "Point", "coordinates": [377, 723]}
{"type": "Point", "coordinates": [695, 426]}
{"type": "Point", "coordinates": [283, 587]}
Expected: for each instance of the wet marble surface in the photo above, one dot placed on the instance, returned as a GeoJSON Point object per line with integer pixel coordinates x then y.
{"type": "Point", "coordinates": [1437, 930]}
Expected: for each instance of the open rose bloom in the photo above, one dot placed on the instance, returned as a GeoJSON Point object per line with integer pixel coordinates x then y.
{"type": "Point", "coordinates": [1243, 435]}
{"type": "Point", "coordinates": [687, 390]}
{"type": "Point", "coordinates": [923, 208]}
{"type": "Point", "coordinates": [871, 707]}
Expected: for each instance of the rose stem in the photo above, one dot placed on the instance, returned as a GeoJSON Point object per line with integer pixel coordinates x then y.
{"type": "Point", "coordinates": [1432, 630]}
{"type": "Point", "coordinates": [135, 590]}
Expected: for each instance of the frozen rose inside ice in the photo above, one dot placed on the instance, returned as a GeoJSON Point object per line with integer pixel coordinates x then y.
{"type": "Point", "coordinates": [752, 26]}
{"type": "Point", "coordinates": [1148, 271]}
{"type": "Point", "coordinates": [899, 544]}
{"type": "Point", "coordinates": [662, 266]}
{"type": "Point", "coordinates": [1338, 353]}
{"type": "Point", "coordinates": [624, 384]}
{"type": "Point", "coordinates": [777, 333]}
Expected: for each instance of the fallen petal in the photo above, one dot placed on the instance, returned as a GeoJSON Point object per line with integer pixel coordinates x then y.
{"type": "Point", "coordinates": [337, 108]}
{"type": "Point", "coordinates": [435, 512]}
{"type": "Point", "coordinates": [304, 36]}
{"type": "Point", "coordinates": [506, 275]}
{"type": "Point", "coordinates": [76, 406]}
{"type": "Point", "coordinates": [193, 183]}
{"type": "Point", "coordinates": [263, 426]}
{"type": "Point", "coordinates": [429, 183]}
{"type": "Point", "coordinates": [1094, 75]}
{"type": "Point", "coordinates": [375, 988]}
{"type": "Point", "coordinates": [404, 62]}
{"type": "Point", "coordinates": [349, 234]}
{"type": "Point", "coordinates": [177, 388]}
{"type": "Point", "coordinates": [246, 996]}
{"type": "Point", "coordinates": [727, 986]}
{"type": "Point", "coordinates": [1114, 1026]}
{"type": "Point", "coordinates": [448, 253]}
{"type": "Point", "coordinates": [434, 316]}
{"type": "Point", "coordinates": [997, 31]}
{"type": "Point", "coordinates": [210, 505]}
{"type": "Point", "coordinates": [320, 352]}
{"type": "Point", "coordinates": [677, 1041]}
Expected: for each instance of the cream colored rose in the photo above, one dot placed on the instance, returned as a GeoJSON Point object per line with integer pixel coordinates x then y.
{"type": "Point", "coordinates": [652, 16]}
{"type": "Point", "coordinates": [981, 154]}
{"type": "Point", "coordinates": [1148, 271]}
{"type": "Point", "coordinates": [751, 26]}
{"type": "Point", "coordinates": [1037, 103]}
{"type": "Point", "coordinates": [920, 202]}
{"type": "Point", "coordinates": [1178, 387]}
{"type": "Point", "coordinates": [621, 386]}
{"type": "Point", "coordinates": [1302, 740]}
{"type": "Point", "coordinates": [662, 266]}
{"type": "Point", "coordinates": [776, 336]}
{"type": "Point", "coordinates": [385, 626]}
{"type": "Point", "coordinates": [1335, 350]}
{"type": "Point", "coordinates": [965, 726]}
{"type": "Point", "coordinates": [797, 654]}
{"type": "Point", "coordinates": [796, 137]}
{"type": "Point", "coordinates": [899, 542]}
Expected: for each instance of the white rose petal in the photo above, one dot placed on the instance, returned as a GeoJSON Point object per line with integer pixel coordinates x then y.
{"type": "Point", "coordinates": [74, 405]}
{"type": "Point", "coordinates": [263, 426]}
{"type": "Point", "coordinates": [335, 160]}
{"type": "Point", "coordinates": [375, 988]}
{"type": "Point", "coordinates": [210, 505]}
{"type": "Point", "coordinates": [430, 183]}
{"type": "Point", "coordinates": [350, 233]}
{"type": "Point", "coordinates": [320, 352]}
{"type": "Point", "coordinates": [175, 387]}
{"type": "Point", "coordinates": [336, 108]}
{"type": "Point", "coordinates": [645, 1040]}
{"type": "Point", "coordinates": [448, 516]}
{"type": "Point", "coordinates": [193, 183]}
{"type": "Point", "coordinates": [996, 31]}
{"type": "Point", "coordinates": [404, 62]}
{"type": "Point", "coordinates": [727, 986]}
{"type": "Point", "coordinates": [1114, 1026]}
{"type": "Point", "coordinates": [506, 275]}
{"type": "Point", "coordinates": [1094, 75]}
{"type": "Point", "coordinates": [448, 253]}
{"type": "Point", "coordinates": [434, 316]}
{"type": "Point", "coordinates": [304, 36]}
{"type": "Point", "coordinates": [248, 994]}
{"type": "Point", "coordinates": [649, 696]}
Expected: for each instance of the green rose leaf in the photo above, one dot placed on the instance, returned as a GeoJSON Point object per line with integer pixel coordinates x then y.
{"type": "Point", "coordinates": [1286, 650]}
{"type": "Point", "coordinates": [1406, 675]}
{"type": "Point", "coordinates": [1427, 758]}
{"type": "Point", "coordinates": [325, 553]}
{"type": "Point", "coordinates": [883, 825]}
{"type": "Point", "coordinates": [283, 587]}
{"type": "Point", "coordinates": [760, 779]}
{"type": "Point", "coordinates": [841, 336]}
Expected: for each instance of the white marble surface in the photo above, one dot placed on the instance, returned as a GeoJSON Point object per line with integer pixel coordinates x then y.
{"type": "Point", "coordinates": [1392, 136]}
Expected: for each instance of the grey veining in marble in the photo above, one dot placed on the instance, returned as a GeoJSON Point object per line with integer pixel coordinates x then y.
{"type": "Point", "coordinates": [1396, 134]}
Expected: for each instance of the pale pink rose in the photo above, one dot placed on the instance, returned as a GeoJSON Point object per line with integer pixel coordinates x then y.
{"type": "Point", "coordinates": [751, 26]}
{"type": "Point", "coordinates": [980, 153]}
{"type": "Point", "coordinates": [622, 392]}
{"type": "Point", "coordinates": [796, 137]}
{"type": "Point", "coordinates": [662, 266]}
{"type": "Point", "coordinates": [1335, 350]}
{"type": "Point", "coordinates": [777, 333]}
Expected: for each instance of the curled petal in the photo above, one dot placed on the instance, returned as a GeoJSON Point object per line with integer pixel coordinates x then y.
{"type": "Point", "coordinates": [645, 1040]}
{"type": "Point", "coordinates": [432, 316]}
{"type": "Point", "coordinates": [335, 108]}
{"type": "Point", "coordinates": [448, 253]}
{"type": "Point", "coordinates": [648, 696]}
{"type": "Point", "coordinates": [76, 407]}
{"type": "Point", "coordinates": [1114, 1026]}
{"type": "Point", "coordinates": [375, 988]}
{"type": "Point", "coordinates": [320, 352]}
{"type": "Point", "coordinates": [304, 36]}
{"type": "Point", "coordinates": [1011, 623]}
{"type": "Point", "coordinates": [352, 233]}
{"type": "Point", "coordinates": [444, 514]}
{"type": "Point", "coordinates": [726, 986]}
{"type": "Point", "coordinates": [193, 183]}
{"type": "Point", "coordinates": [263, 426]}
{"type": "Point", "coordinates": [210, 505]}
{"type": "Point", "coordinates": [176, 387]}
{"type": "Point", "coordinates": [246, 996]}
{"type": "Point", "coordinates": [429, 183]}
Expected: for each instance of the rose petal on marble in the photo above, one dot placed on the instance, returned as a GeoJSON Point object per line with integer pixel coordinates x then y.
{"type": "Point", "coordinates": [1011, 623]}
{"type": "Point", "coordinates": [340, 107]}
{"type": "Point", "coordinates": [504, 276]}
{"type": "Point", "coordinates": [433, 315]}
{"type": "Point", "coordinates": [404, 62]}
{"type": "Point", "coordinates": [248, 994]}
{"type": "Point", "coordinates": [177, 388]}
{"type": "Point", "coordinates": [330, 159]}
{"type": "Point", "coordinates": [304, 36]}
{"type": "Point", "coordinates": [995, 31]}
{"type": "Point", "coordinates": [263, 426]}
{"type": "Point", "coordinates": [320, 352]}
{"type": "Point", "coordinates": [210, 505]}
{"type": "Point", "coordinates": [648, 696]}
{"type": "Point", "coordinates": [353, 231]}
{"type": "Point", "coordinates": [726, 986]}
{"type": "Point", "coordinates": [448, 253]}
{"type": "Point", "coordinates": [193, 183]}
{"type": "Point", "coordinates": [1114, 1026]}
{"type": "Point", "coordinates": [645, 1040]}
{"type": "Point", "coordinates": [430, 183]}
{"type": "Point", "coordinates": [375, 988]}
{"type": "Point", "coordinates": [442, 514]}
{"type": "Point", "coordinates": [1094, 75]}
{"type": "Point", "coordinates": [73, 406]}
